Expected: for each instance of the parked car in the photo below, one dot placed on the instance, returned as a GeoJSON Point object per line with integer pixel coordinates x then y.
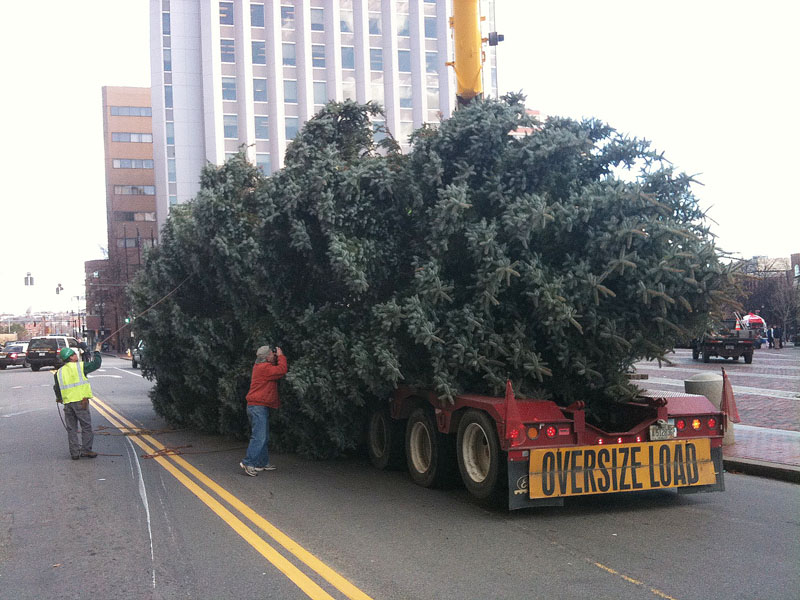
{"type": "Point", "coordinates": [14, 354]}
{"type": "Point", "coordinates": [43, 351]}
{"type": "Point", "coordinates": [136, 354]}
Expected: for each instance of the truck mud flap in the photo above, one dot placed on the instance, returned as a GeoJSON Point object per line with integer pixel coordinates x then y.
{"type": "Point", "coordinates": [518, 492]}
{"type": "Point", "coordinates": [719, 486]}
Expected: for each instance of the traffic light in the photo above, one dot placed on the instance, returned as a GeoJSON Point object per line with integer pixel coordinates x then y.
{"type": "Point", "coordinates": [127, 320]}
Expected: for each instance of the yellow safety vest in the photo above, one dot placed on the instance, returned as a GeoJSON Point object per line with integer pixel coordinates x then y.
{"type": "Point", "coordinates": [73, 383]}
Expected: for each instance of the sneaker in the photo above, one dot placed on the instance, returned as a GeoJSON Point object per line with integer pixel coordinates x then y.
{"type": "Point", "coordinates": [89, 454]}
{"type": "Point", "coordinates": [248, 470]}
{"type": "Point", "coordinates": [269, 467]}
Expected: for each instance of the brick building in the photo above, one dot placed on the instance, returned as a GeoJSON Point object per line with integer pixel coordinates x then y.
{"type": "Point", "coordinates": [130, 211]}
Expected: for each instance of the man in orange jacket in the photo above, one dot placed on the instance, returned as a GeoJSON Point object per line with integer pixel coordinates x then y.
{"type": "Point", "coordinates": [270, 366]}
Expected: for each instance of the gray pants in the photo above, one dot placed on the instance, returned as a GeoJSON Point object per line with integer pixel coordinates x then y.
{"type": "Point", "coordinates": [74, 414]}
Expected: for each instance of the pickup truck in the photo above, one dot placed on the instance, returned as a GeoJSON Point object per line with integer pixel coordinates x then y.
{"type": "Point", "coordinates": [525, 452]}
{"type": "Point", "coordinates": [727, 342]}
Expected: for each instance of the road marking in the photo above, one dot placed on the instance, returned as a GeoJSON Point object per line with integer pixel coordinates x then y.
{"type": "Point", "coordinates": [299, 578]}
{"type": "Point", "coordinates": [737, 389]}
{"type": "Point", "coordinates": [112, 376]}
{"type": "Point", "coordinates": [129, 373]}
{"type": "Point", "coordinates": [22, 412]}
{"type": "Point", "coordinates": [624, 577]}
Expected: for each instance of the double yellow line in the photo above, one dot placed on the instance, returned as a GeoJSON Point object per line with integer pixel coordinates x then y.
{"type": "Point", "coordinates": [151, 446]}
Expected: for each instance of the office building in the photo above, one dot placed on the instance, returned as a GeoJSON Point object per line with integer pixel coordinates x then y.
{"type": "Point", "coordinates": [240, 73]}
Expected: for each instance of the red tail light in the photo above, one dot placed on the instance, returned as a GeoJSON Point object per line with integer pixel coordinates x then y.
{"type": "Point", "coordinates": [680, 424]}
{"type": "Point", "coordinates": [550, 431]}
{"type": "Point", "coordinates": [712, 423]}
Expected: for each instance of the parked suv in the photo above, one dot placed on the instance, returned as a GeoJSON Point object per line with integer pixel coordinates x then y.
{"type": "Point", "coordinates": [136, 354]}
{"type": "Point", "coordinates": [14, 354]}
{"type": "Point", "coordinates": [43, 351]}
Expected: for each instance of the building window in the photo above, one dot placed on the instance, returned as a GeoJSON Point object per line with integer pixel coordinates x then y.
{"type": "Point", "coordinates": [172, 176]}
{"type": "Point", "coordinates": [229, 88]}
{"type": "Point", "coordinates": [173, 200]}
{"type": "Point", "coordinates": [430, 27]}
{"type": "Point", "coordinates": [131, 111]}
{"type": "Point", "coordinates": [290, 91]}
{"type": "Point", "coordinates": [346, 20]}
{"type": "Point", "coordinates": [378, 131]}
{"type": "Point", "coordinates": [230, 126]}
{"type": "Point", "coordinates": [320, 92]}
{"type": "Point", "coordinates": [170, 133]}
{"type": "Point", "coordinates": [292, 127]}
{"type": "Point", "coordinates": [168, 96]}
{"type": "Point", "coordinates": [227, 51]}
{"type": "Point", "coordinates": [378, 93]}
{"type": "Point", "coordinates": [287, 17]}
{"type": "Point", "coordinates": [433, 97]}
{"type": "Point", "coordinates": [404, 61]}
{"type": "Point", "coordinates": [432, 62]}
{"type": "Point", "coordinates": [348, 57]}
{"type": "Point", "coordinates": [317, 19]}
{"type": "Point", "coordinates": [256, 15]}
{"type": "Point", "coordinates": [318, 55]}
{"type": "Point", "coordinates": [167, 59]}
{"type": "Point", "coordinates": [263, 163]}
{"type": "Point", "coordinates": [226, 13]}
{"type": "Point", "coordinates": [134, 216]}
{"type": "Point", "coordinates": [259, 53]}
{"type": "Point", "coordinates": [127, 243]}
{"type": "Point", "coordinates": [262, 128]}
{"type": "Point", "coordinates": [132, 163]}
{"type": "Point", "coordinates": [165, 23]}
{"type": "Point", "coordinates": [406, 129]}
{"type": "Point", "coordinates": [349, 88]}
{"type": "Point", "coordinates": [142, 138]}
{"type": "Point", "coordinates": [375, 23]}
{"type": "Point", "coordinates": [289, 55]}
{"type": "Point", "coordinates": [260, 90]}
{"type": "Point", "coordinates": [405, 96]}
{"type": "Point", "coordinates": [135, 190]}
{"type": "Point", "coordinates": [376, 59]}
{"type": "Point", "coordinates": [402, 26]}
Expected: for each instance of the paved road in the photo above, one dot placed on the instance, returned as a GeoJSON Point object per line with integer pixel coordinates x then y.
{"type": "Point", "coordinates": [192, 526]}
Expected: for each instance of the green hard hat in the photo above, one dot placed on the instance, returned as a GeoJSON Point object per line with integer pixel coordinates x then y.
{"type": "Point", "coordinates": [66, 353]}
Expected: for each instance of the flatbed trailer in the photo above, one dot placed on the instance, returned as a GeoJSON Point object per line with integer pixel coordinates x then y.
{"type": "Point", "coordinates": [527, 453]}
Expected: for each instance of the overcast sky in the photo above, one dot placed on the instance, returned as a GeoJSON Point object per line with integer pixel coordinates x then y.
{"type": "Point", "coordinates": [712, 83]}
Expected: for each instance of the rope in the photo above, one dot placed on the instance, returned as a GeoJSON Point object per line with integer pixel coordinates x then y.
{"type": "Point", "coordinates": [175, 289]}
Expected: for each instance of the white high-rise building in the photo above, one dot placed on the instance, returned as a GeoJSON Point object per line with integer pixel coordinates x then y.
{"type": "Point", "coordinates": [250, 73]}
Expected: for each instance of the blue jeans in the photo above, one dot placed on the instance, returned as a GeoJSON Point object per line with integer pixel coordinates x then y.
{"type": "Point", "coordinates": [258, 451]}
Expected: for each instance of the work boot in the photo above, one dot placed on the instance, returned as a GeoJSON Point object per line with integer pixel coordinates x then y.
{"type": "Point", "coordinates": [89, 454]}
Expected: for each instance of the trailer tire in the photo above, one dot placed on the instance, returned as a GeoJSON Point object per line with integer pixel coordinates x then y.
{"type": "Point", "coordinates": [429, 454]}
{"type": "Point", "coordinates": [748, 358]}
{"type": "Point", "coordinates": [479, 454]}
{"type": "Point", "coordinates": [384, 440]}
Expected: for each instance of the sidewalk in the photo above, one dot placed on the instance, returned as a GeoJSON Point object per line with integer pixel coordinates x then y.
{"type": "Point", "coordinates": [773, 453]}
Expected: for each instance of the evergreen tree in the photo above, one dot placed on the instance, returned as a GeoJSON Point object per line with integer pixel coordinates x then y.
{"type": "Point", "coordinates": [556, 259]}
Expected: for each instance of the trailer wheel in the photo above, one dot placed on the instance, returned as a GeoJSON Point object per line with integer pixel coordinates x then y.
{"type": "Point", "coordinates": [748, 358]}
{"type": "Point", "coordinates": [384, 440]}
{"type": "Point", "coordinates": [478, 451]}
{"type": "Point", "coordinates": [428, 452]}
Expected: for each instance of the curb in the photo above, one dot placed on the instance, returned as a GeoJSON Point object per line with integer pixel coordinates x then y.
{"type": "Point", "coordinates": [761, 468]}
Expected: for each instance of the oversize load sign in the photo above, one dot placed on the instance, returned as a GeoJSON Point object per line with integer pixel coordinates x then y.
{"type": "Point", "coordinates": [585, 470]}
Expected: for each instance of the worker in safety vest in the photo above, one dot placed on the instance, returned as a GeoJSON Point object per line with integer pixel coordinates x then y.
{"type": "Point", "coordinates": [73, 390]}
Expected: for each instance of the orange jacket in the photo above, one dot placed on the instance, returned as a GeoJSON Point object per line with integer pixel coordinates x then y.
{"type": "Point", "coordinates": [264, 383]}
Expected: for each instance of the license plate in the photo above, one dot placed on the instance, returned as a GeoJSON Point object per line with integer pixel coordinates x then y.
{"type": "Point", "coordinates": [660, 432]}
{"type": "Point", "coordinates": [584, 470]}
{"type": "Point", "coordinates": [729, 346]}
{"type": "Point", "coordinates": [3, 355]}
{"type": "Point", "coordinates": [42, 353]}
